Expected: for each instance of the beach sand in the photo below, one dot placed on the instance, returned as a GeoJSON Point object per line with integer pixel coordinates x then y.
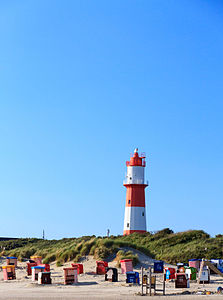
{"type": "Point", "coordinates": [92, 286]}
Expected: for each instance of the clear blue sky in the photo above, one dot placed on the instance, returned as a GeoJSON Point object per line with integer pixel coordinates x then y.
{"type": "Point", "coordinates": [82, 83]}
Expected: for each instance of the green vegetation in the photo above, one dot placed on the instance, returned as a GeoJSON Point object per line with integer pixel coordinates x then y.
{"type": "Point", "coordinates": [166, 245]}
{"type": "Point", "coordinates": [126, 255]}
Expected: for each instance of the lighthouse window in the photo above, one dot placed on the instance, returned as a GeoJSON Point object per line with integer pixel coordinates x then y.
{"type": "Point", "coordinates": [127, 224]}
{"type": "Point", "coordinates": [143, 214]}
{"type": "Point", "coordinates": [129, 201]}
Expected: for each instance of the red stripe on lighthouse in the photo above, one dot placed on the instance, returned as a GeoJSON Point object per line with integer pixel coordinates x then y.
{"type": "Point", "coordinates": [135, 195]}
{"type": "Point", "coordinates": [126, 232]}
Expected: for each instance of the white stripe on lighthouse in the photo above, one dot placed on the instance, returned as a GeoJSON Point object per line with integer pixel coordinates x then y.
{"type": "Point", "coordinates": [135, 175]}
{"type": "Point", "coordinates": [135, 218]}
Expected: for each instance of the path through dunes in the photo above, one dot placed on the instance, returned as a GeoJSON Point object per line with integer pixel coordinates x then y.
{"type": "Point", "coordinates": [145, 261]}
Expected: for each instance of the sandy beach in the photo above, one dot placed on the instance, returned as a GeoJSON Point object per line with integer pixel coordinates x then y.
{"type": "Point", "coordinates": [92, 286]}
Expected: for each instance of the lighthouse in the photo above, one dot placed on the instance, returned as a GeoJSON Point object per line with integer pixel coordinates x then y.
{"type": "Point", "coordinates": [135, 210]}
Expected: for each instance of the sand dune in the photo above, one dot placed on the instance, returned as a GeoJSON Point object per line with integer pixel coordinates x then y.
{"type": "Point", "coordinates": [90, 286]}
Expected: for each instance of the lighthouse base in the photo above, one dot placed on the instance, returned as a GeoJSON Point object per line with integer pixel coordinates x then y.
{"type": "Point", "coordinates": [127, 232]}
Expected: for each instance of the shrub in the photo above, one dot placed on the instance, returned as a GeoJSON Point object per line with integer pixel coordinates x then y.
{"type": "Point", "coordinates": [102, 252]}
{"type": "Point", "coordinates": [108, 243]}
{"type": "Point", "coordinates": [65, 256]}
{"type": "Point", "coordinates": [87, 247]}
{"type": "Point", "coordinates": [219, 236]}
{"type": "Point", "coordinates": [126, 255]}
{"type": "Point", "coordinates": [163, 233]}
{"type": "Point", "coordinates": [72, 254]}
{"type": "Point", "coordinates": [59, 263]}
{"type": "Point", "coordinates": [92, 251]}
{"type": "Point", "coordinates": [79, 246]}
{"type": "Point", "coordinates": [49, 258]}
{"type": "Point", "coordinates": [164, 244]}
{"type": "Point", "coordinates": [77, 258]}
{"type": "Point", "coordinates": [27, 252]}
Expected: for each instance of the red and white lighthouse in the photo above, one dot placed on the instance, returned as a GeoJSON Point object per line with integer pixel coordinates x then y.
{"type": "Point", "coordinates": [135, 210]}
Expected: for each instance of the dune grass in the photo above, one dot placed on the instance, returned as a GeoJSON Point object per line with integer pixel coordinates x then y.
{"type": "Point", "coordinates": [121, 254]}
{"type": "Point", "coordinates": [164, 244]}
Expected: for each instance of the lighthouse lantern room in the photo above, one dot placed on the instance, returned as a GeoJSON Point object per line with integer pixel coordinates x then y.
{"type": "Point", "coordinates": [135, 212]}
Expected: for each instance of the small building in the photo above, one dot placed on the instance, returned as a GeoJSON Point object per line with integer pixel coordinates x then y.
{"type": "Point", "coordinates": [101, 267]}
{"type": "Point", "coordinates": [11, 260]}
{"type": "Point", "coordinates": [158, 266]}
{"type": "Point", "coordinates": [29, 267]}
{"type": "Point", "coordinates": [80, 268]}
{"type": "Point", "coordinates": [195, 263]}
{"type": "Point", "coordinates": [170, 273]}
{"type": "Point", "coordinates": [191, 272]}
{"type": "Point", "coordinates": [44, 278]}
{"type": "Point", "coordinates": [182, 281]}
{"type": "Point", "coordinates": [205, 276]}
{"type": "Point", "coordinates": [46, 267]}
{"type": "Point", "coordinates": [70, 275]}
{"type": "Point", "coordinates": [132, 277]}
{"type": "Point", "coordinates": [35, 271]}
{"type": "Point", "coordinates": [37, 259]}
{"type": "Point", "coordinates": [126, 265]}
{"type": "Point", "coordinates": [8, 272]}
{"type": "Point", "coordinates": [111, 275]}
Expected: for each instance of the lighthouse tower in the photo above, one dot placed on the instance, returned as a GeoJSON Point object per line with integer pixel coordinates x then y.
{"type": "Point", "coordinates": [135, 212]}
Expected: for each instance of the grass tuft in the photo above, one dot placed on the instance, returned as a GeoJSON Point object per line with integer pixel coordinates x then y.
{"type": "Point", "coordinates": [164, 244]}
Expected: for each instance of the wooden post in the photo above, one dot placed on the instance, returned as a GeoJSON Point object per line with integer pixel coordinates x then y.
{"type": "Point", "coordinates": [147, 284]}
{"type": "Point", "coordinates": [142, 280]}
{"type": "Point", "coordinates": [200, 271]}
{"type": "Point", "coordinates": [150, 275]}
{"type": "Point", "coordinates": [154, 285]}
{"type": "Point", "coordinates": [164, 284]}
